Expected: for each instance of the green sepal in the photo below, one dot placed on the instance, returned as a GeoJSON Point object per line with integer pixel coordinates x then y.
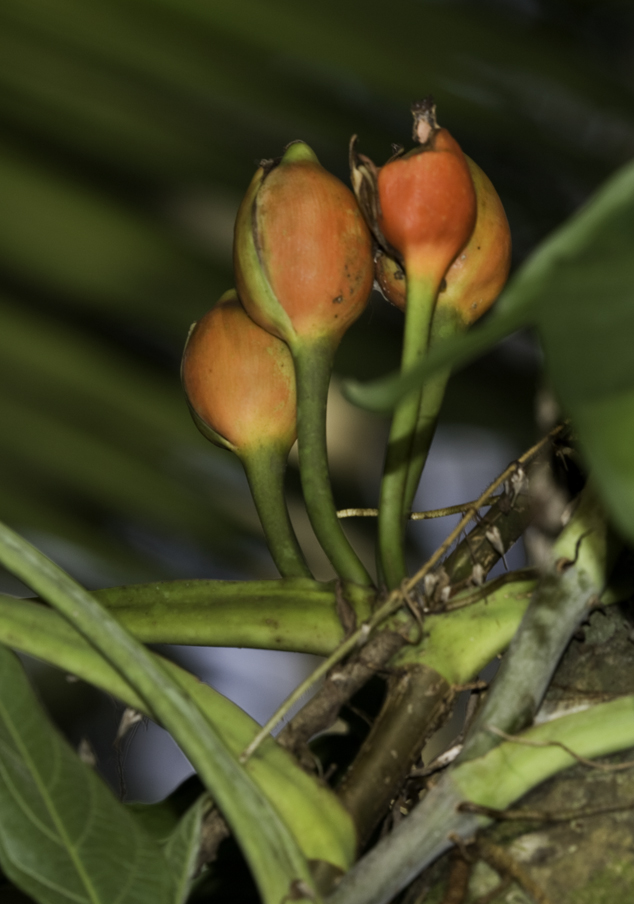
{"type": "Point", "coordinates": [209, 433]}
{"type": "Point", "coordinates": [254, 289]}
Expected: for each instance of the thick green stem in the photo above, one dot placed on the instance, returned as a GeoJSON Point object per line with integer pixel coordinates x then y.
{"type": "Point", "coordinates": [313, 366]}
{"type": "Point", "coordinates": [421, 295]}
{"type": "Point", "coordinates": [265, 466]}
{"type": "Point", "coordinates": [417, 700]}
{"type": "Point", "coordinates": [295, 614]}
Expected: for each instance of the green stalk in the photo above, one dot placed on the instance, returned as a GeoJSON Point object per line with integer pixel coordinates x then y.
{"type": "Point", "coordinates": [313, 366]}
{"type": "Point", "coordinates": [445, 324]}
{"type": "Point", "coordinates": [421, 296]}
{"type": "Point", "coordinates": [297, 615]}
{"type": "Point", "coordinates": [430, 403]}
{"type": "Point", "coordinates": [265, 466]}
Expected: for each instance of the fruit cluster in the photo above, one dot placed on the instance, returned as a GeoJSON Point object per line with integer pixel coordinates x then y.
{"type": "Point", "coordinates": [430, 228]}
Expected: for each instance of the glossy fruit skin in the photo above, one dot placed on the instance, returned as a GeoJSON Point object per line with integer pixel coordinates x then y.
{"type": "Point", "coordinates": [302, 252]}
{"type": "Point", "coordinates": [479, 272]}
{"type": "Point", "coordinates": [427, 205]}
{"type": "Point", "coordinates": [239, 380]}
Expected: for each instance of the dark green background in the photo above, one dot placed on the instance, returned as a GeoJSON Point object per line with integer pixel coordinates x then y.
{"type": "Point", "coordinates": [129, 130]}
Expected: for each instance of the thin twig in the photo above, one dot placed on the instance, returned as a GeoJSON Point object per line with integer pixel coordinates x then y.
{"type": "Point", "coordinates": [601, 767]}
{"type": "Point", "coordinates": [417, 516]}
{"type": "Point", "coordinates": [391, 605]}
{"type": "Point", "coordinates": [458, 882]}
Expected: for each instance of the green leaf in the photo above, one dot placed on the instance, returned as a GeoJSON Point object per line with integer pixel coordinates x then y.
{"type": "Point", "coordinates": [182, 846]}
{"type": "Point", "coordinates": [63, 837]}
{"type": "Point", "coordinates": [322, 827]}
{"type": "Point", "coordinates": [605, 427]}
{"type": "Point", "coordinates": [161, 819]}
{"type": "Point", "coordinates": [271, 850]}
{"type": "Point", "coordinates": [578, 290]}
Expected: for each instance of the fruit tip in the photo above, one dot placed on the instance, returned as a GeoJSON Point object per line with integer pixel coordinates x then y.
{"type": "Point", "coordinates": [298, 152]}
{"type": "Point", "coordinates": [425, 122]}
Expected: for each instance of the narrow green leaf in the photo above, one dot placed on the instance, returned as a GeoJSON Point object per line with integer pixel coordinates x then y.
{"type": "Point", "coordinates": [382, 395]}
{"type": "Point", "coordinates": [182, 846]}
{"type": "Point", "coordinates": [272, 853]}
{"type": "Point", "coordinates": [63, 837]}
{"type": "Point", "coordinates": [313, 813]}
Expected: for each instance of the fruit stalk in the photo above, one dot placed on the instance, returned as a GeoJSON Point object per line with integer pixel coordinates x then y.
{"type": "Point", "coordinates": [265, 467]}
{"type": "Point", "coordinates": [313, 366]}
{"type": "Point", "coordinates": [392, 504]}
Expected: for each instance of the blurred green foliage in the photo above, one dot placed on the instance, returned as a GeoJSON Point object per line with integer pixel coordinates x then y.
{"type": "Point", "coordinates": [129, 130]}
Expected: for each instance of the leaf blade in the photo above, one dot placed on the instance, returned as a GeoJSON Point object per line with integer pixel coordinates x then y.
{"type": "Point", "coordinates": [85, 839]}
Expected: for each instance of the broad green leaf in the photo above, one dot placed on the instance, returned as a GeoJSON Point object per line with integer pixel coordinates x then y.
{"type": "Point", "coordinates": [63, 837]}
{"type": "Point", "coordinates": [577, 289]}
{"type": "Point", "coordinates": [606, 429]}
{"type": "Point", "coordinates": [272, 852]}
